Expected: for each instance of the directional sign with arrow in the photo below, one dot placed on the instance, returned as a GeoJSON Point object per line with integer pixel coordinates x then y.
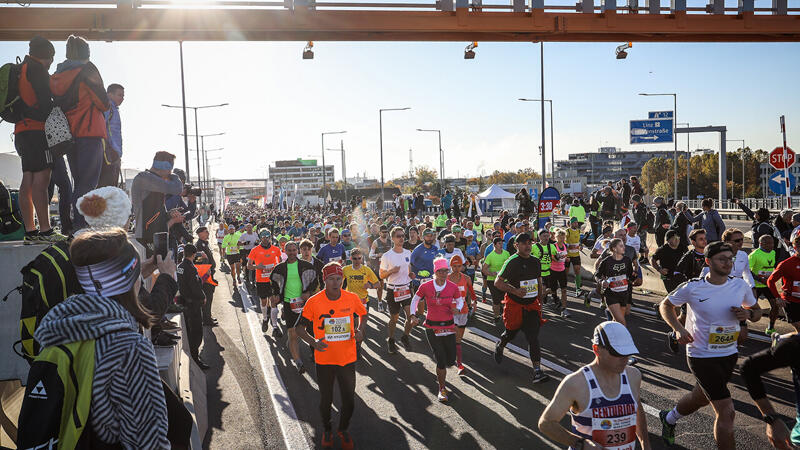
{"type": "Point", "coordinates": [653, 131]}
{"type": "Point", "coordinates": [777, 182]}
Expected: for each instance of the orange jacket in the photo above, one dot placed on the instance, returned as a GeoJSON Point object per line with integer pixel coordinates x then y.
{"type": "Point", "coordinates": [78, 90]}
{"type": "Point", "coordinates": [34, 91]}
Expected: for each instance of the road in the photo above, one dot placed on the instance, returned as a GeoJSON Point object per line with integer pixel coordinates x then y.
{"type": "Point", "coordinates": [257, 400]}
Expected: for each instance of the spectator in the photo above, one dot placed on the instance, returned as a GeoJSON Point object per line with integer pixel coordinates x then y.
{"type": "Point", "coordinates": [525, 202]}
{"type": "Point", "coordinates": [109, 172]}
{"type": "Point", "coordinates": [193, 299]}
{"type": "Point", "coordinates": [682, 224]}
{"type": "Point", "coordinates": [662, 220]}
{"type": "Point", "coordinates": [636, 187]}
{"type": "Point", "coordinates": [710, 221]}
{"type": "Point", "coordinates": [761, 226]}
{"type": "Point", "coordinates": [31, 143]}
{"type": "Point", "coordinates": [128, 407]}
{"type": "Point", "coordinates": [640, 217]}
{"type": "Point", "coordinates": [78, 89]}
{"type": "Point", "coordinates": [447, 203]}
{"type": "Point", "coordinates": [148, 192]}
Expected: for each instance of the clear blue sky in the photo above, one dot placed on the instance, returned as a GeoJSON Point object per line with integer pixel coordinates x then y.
{"type": "Point", "coordinates": [280, 103]}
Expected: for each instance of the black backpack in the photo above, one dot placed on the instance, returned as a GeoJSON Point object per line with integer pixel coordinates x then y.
{"type": "Point", "coordinates": [46, 281]}
{"type": "Point", "coordinates": [10, 216]}
{"type": "Point", "coordinates": [11, 105]}
{"type": "Point", "coordinates": [649, 222]}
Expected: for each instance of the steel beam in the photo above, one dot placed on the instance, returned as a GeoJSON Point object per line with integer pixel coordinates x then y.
{"type": "Point", "coordinates": [302, 24]}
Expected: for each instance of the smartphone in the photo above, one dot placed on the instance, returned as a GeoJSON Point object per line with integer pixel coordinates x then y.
{"type": "Point", "coordinates": [160, 244]}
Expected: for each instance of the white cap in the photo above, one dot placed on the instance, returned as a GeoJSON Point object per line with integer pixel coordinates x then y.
{"type": "Point", "coordinates": [468, 233]}
{"type": "Point", "coordinates": [614, 336]}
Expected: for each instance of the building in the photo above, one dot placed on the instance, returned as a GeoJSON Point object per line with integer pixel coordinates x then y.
{"type": "Point", "coordinates": [607, 164]}
{"type": "Point", "coordinates": [361, 181]}
{"type": "Point", "coordinates": [305, 173]}
{"type": "Point", "coordinates": [766, 171]}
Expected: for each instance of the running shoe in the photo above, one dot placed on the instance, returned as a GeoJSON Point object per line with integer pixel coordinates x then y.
{"type": "Point", "coordinates": [31, 238]}
{"type": "Point", "coordinates": [565, 314]}
{"type": "Point", "coordinates": [51, 236]}
{"type": "Point", "coordinates": [277, 333]}
{"type": "Point", "coordinates": [327, 439]}
{"type": "Point", "coordinates": [498, 352]}
{"type": "Point", "coordinates": [391, 346]}
{"type": "Point", "coordinates": [774, 338]}
{"type": "Point", "coordinates": [672, 343]}
{"type": "Point", "coordinates": [539, 376]}
{"type": "Point", "coordinates": [406, 342]}
{"type": "Point", "coordinates": [442, 395]}
{"type": "Point", "coordinates": [264, 326]}
{"type": "Point", "coordinates": [347, 441]}
{"type": "Point", "coordinates": [769, 331]}
{"type": "Point", "coordinates": [587, 300]}
{"type": "Point", "coordinates": [461, 370]}
{"type": "Point", "coordinates": [667, 430]}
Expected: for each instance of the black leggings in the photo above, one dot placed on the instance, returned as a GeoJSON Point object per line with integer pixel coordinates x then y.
{"type": "Point", "coordinates": [346, 378]}
{"type": "Point", "coordinates": [530, 326]}
{"type": "Point", "coordinates": [444, 348]}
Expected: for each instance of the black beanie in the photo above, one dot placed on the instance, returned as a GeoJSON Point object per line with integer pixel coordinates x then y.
{"type": "Point", "coordinates": [77, 48]}
{"type": "Point", "coordinates": [41, 48]}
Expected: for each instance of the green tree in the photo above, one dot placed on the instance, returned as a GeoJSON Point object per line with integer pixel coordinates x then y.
{"type": "Point", "coordinates": [662, 188]}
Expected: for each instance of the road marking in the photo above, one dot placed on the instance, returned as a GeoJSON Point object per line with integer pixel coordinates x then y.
{"type": "Point", "coordinates": [293, 434]}
{"type": "Point", "coordinates": [549, 364]}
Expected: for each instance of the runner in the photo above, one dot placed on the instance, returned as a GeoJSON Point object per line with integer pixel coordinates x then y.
{"type": "Point", "coordinates": [602, 398]}
{"type": "Point", "coordinates": [558, 272]}
{"type": "Point", "coordinates": [247, 241]}
{"type": "Point", "coordinates": [545, 252]}
{"type": "Point", "coordinates": [221, 231]}
{"type": "Point", "coordinates": [357, 279]}
{"type": "Point", "coordinates": [348, 243]}
{"type": "Point", "coordinates": [449, 250]}
{"type": "Point", "coordinates": [380, 245]}
{"type": "Point", "coordinates": [472, 252]}
{"type": "Point", "coordinates": [492, 264]}
{"type": "Point", "coordinates": [330, 313]}
{"type": "Point", "coordinates": [521, 280]}
{"type": "Point", "coordinates": [574, 248]}
{"type": "Point", "coordinates": [441, 299]}
{"type": "Point", "coordinates": [464, 284]}
{"type": "Point", "coordinates": [396, 270]}
{"type": "Point", "coordinates": [413, 239]}
{"type": "Point", "coordinates": [788, 272]}
{"type": "Point", "coordinates": [422, 259]}
{"type": "Point", "coordinates": [306, 254]}
{"type": "Point", "coordinates": [263, 260]}
{"type": "Point", "coordinates": [711, 334]}
{"type": "Point", "coordinates": [333, 250]}
{"type": "Point", "coordinates": [231, 246]}
{"type": "Point", "coordinates": [762, 264]}
{"type": "Point", "coordinates": [293, 281]}
{"type": "Point", "coordinates": [614, 276]}
{"type": "Point", "coordinates": [665, 261]}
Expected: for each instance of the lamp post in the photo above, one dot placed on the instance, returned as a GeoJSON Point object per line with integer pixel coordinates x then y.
{"type": "Point", "coordinates": [322, 139]}
{"type": "Point", "coordinates": [552, 151]}
{"type": "Point", "coordinates": [742, 156]}
{"type": "Point", "coordinates": [344, 167]}
{"type": "Point", "coordinates": [688, 158]}
{"type": "Point", "coordinates": [441, 159]}
{"type": "Point", "coordinates": [380, 132]}
{"type": "Point", "coordinates": [674, 138]}
{"type": "Point", "coordinates": [199, 149]}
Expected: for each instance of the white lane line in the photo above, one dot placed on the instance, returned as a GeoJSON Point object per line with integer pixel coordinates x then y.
{"type": "Point", "coordinates": [549, 364]}
{"type": "Point", "coordinates": [293, 434]}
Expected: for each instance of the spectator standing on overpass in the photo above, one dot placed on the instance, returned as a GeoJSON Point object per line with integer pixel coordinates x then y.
{"type": "Point", "coordinates": [761, 226]}
{"type": "Point", "coordinates": [148, 193]}
{"type": "Point", "coordinates": [710, 221]}
{"type": "Point", "coordinates": [662, 221]}
{"type": "Point", "coordinates": [112, 154]}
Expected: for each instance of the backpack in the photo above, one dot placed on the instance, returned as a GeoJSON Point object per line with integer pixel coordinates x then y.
{"type": "Point", "coordinates": [58, 396]}
{"type": "Point", "coordinates": [649, 222]}
{"type": "Point", "coordinates": [11, 228]}
{"type": "Point", "coordinates": [57, 132]}
{"type": "Point", "coordinates": [11, 105]}
{"type": "Point", "coordinates": [46, 281]}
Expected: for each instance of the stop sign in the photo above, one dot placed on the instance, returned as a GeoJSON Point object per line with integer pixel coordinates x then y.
{"type": "Point", "coordinates": [776, 158]}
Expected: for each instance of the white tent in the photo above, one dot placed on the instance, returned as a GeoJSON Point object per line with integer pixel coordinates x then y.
{"type": "Point", "coordinates": [496, 199]}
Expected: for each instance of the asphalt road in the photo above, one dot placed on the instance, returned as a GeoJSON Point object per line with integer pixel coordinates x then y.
{"type": "Point", "coordinates": [256, 399]}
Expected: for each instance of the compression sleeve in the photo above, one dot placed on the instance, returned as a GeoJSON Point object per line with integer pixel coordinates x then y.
{"type": "Point", "coordinates": [415, 303]}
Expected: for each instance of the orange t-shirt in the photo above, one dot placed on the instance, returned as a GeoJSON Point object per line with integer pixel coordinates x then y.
{"type": "Point", "coordinates": [467, 291]}
{"type": "Point", "coordinates": [333, 322]}
{"type": "Point", "coordinates": [269, 257]}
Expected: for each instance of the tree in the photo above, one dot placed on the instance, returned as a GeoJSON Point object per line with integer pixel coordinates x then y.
{"type": "Point", "coordinates": [520, 176]}
{"type": "Point", "coordinates": [662, 188]}
{"type": "Point", "coordinates": [425, 175]}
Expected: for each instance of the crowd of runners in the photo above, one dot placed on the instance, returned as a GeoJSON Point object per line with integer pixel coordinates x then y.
{"type": "Point", "coordinates": [313, 270]}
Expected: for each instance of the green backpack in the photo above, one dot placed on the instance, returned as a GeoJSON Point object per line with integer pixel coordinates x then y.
{"type": "Point", "coordinates": [11, 105]}
{"type": "Point", "coordinates": [58, 397]}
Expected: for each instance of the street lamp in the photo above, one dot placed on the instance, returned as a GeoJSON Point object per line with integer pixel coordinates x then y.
{"type": "Point", "coordinates": [552, 152]}
{"type": "Point", "coordinates": [441, 159]}
{"type": "Point", "coordinates": [380, 131]}
{"type": "Point", "coordinates": [742, 156]}
{"type": "Point", "coordinates": [324, 185]}
{"type": "Point", "coordinates": [200, 149]}
{"type": "Point", "coordinates": [674, 140]}
{"type": "Point", "coordinates": [688, 158]}
{"type": "Point", "coordinates": [344, 167]}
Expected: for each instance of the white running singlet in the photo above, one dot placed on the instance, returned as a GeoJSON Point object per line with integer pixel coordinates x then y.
{"type": "Point", "coordinates": [608, 422]}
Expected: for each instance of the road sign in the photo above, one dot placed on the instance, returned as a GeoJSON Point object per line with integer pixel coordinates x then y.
{"type": "Point", "coordinates": [548, 204]}
{"type": "Point", "coordinates": [660, 115]}
{"type": "Point", "coordinates": [776, 158]}
{"type": "Point", "coordinates": [651, 131]}
{"type": "Point", "coordinates": [777, 182]}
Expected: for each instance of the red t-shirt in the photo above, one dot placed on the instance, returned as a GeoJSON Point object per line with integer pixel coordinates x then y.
{"type": "Point", "coordinates": [333, 323]}
{"type": "Point", "coordinates": [788, 271]}
{"type": "Point", "coordinates": [269, 257]}
{"type": "Point", "coordinates": [467, 292]}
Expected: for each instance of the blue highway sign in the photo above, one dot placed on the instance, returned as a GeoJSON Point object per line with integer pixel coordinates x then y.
{"type": "Point", "coordinates": [777, 182]}
{"type": "Point", "coordinates": [652, 131]}
{"type": "Point", "coordinates": [660, 115]}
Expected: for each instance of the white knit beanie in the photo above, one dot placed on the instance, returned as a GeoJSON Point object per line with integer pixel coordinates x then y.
{"type": "Point", "coordinates": [105, 207]}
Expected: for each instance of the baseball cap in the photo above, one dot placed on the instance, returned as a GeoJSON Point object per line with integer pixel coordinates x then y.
{"type": "Point", "coordinates": [449, 238]}
{"type": "Point", "coordinates": [573, 219]}
{"type": "Point", "coordinates": [716, 247]}
{"type": "Point", "coordinates": [262, 233]}
{"type": "Point", "coordinates": [518, 224]}
{"type": "Point", "coordinates": [455, 259]}
{"type": "Point", "coordinates": [456, 228]}
{"type": "Point", "coordinates": [345, 232]}
{"type": "Point", "coordinates": [468, 233]}
{"type": "Point", "coordinates": [427, 232]}
{"type": "Point", "coordinates": [522, 237]}
{"type": "Point", "coordinates": [384, 228]}
{"type": "Point", "coordinates": [200, 230]}
{"type": "Point", "coordinates": [439, 264]}
{"type": "Point", "coordinates": [614, 337]}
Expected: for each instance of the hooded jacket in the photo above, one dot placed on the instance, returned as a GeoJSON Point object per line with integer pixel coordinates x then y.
{"type": "Point", "coordinates": [78, 89]}
{"type": "Point", "coordinates": [34, 91]}
{"type": "Point", "coordinates": [128, 405]}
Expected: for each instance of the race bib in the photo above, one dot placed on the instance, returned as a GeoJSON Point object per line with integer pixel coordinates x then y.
{"type": "Point", "coordinates": [531, 288]}
{"type": "Point", "coordinates": [618, 433]}
{"type": "Point", "coordinates": [765, 273]}
{"type": "Point", "coordinates": [573, 247]}
{"type": "Point", "coordinates": [618, 283]}
{"type": "Point", "coordinates": [722, 337]}
{"type": "Point", "coordinates": [337, 329]}
{"type": "Point", "coordinates": [463, 290]}
{"type": "Point", "coordinates": [402, 293]}
{"type": "Point", "coordinates": [424, 280]}
{"type": "Point", "coordinates": [267, 270]}
{"type": "Point", "coordinates": [337, 259]}
{"type": "Point", "coordinates": [796, 289]}
{"type": "Point", "coordinates": [297, 304]}
{"type": "Point", "coordinates": [442, 332]}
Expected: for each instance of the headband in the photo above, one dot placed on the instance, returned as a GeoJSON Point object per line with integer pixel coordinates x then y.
{"type": "Point", "coordinates": [162, 165]}
{"type": "Point", "coordinates": [331, 269]}
{"type": "Point", "coordinates": [111, 277]}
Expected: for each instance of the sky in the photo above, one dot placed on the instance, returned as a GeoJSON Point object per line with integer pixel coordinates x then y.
{"type": "Point", "coordinates": [280, 103]}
